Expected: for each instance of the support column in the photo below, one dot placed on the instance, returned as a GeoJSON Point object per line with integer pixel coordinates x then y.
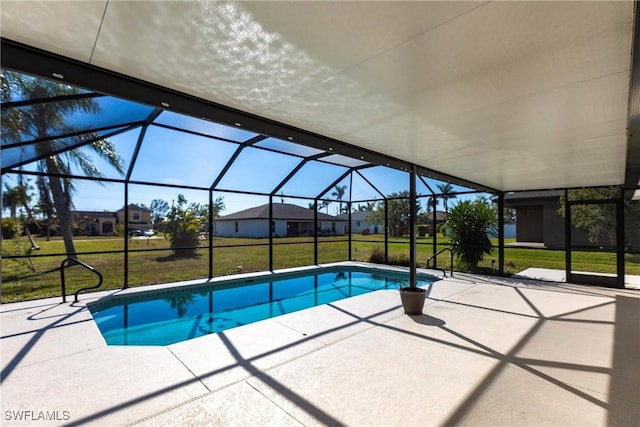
{"type": "Point", "coordinates": [501, 234]}
{"type": "Point", "coordinates": [315, 234]}
{"type": "Point", "coordinates": [210, 227]}
{"type": "Point", "coordinates": [434, 227]}
{"type": "Point", "coordinates": [412, 228]}
{"type": "Point", "coordinates": [126, 235]}
{"type": "Point", "coordinates": [567, 236]}
{"type": "Point", "coordinates": [349, 230]}
{"type": "Point", "coordinates": [270, 233]}
{"type": "Point", "coordinates": [620, 241]}
{"type": "Point", "coordinates": [386, 231]}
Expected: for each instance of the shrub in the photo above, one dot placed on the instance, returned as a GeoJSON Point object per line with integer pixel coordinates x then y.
{"type": "Point", "coordinates": [10, 228]}
{"type": "Point", "coordinates": [118, 230]}
{"type": "Point", "coordinates": [468, 225]}
{"type": "Point", "coordinates": [183, 227]}
{"type": "Point", "coordinates": [377, 255]}
{"type": "Point", "coordinates": [402, 260]}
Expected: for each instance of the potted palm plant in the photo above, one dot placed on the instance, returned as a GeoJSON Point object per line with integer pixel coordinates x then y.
{"type": "Point", "coordinates": [469, 225]}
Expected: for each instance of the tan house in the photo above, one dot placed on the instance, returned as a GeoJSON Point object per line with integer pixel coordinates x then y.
{"type": "Point", "coordinates": [103, 223]}
{"type": "Point", "coordinates": [139, 218]}
{"type": "Point", "coordinates": [94, 223]}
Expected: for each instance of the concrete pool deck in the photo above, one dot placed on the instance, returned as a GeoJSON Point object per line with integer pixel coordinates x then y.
{"type": "Point", "coordinates": [487, 351]}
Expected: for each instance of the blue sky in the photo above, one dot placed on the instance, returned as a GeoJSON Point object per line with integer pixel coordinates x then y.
{"type": "Point", "coordinates": [197, 158]}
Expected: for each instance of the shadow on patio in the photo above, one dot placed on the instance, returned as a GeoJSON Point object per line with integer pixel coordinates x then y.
{"type": "Point", "coordinates": [487, 353]}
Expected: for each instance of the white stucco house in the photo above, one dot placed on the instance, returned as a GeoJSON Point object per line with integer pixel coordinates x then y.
{"type": "Point", "coordinates": [288, 220]}
{"type": "Point", "coordinates": [360, 223]}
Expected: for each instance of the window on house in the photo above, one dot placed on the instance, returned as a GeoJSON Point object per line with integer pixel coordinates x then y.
{"type": "Point", "coordinates": [90, 228]}
{"type": "Point", "coordinates": [357, 223]}
{"type": "Point", "coordinates": [236, 226]}
{"type": "Point", "coordinates": [273, 227]}
{"type": "Point", "coordinates": [136, 216]}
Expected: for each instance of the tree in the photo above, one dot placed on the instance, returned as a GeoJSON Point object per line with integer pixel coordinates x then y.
{"type": "Point", "coordinates": [11, 199]}
{"type": "Point", "coordinates": [45, 205]}
{"type": "Point", "coordinates": [158, 209]}
{"type": "Point", "coordinates": [218, 206]}
{"type": "Point", "coordinates": [10, 228]}
{"type": "Point", "coordinates": [25, 200]}
{"type": "Point", "coordinates": [398, 213]}
{"type": "Point", "coordinates": [20, 197]}
{"type": "Point", "coordinates": [181, 303]}
{"type": "Point", "coordinates": [368, 207]}
{"type": "Point", "coordinates": [42, 120]}
{"type": "Point", "coordinates": [446, 189]}
{"type": "Point", "coordinates": [598, 219]}
{"type": "Point", "coordinates": [184, 222]}
{"type": "Point", "coordinates": [338, 193]}
{"type": "Point", "coordinates": [323, 204]}
{"type": "Point", "coordinates": [468, 226]}
{"type": "Point", "coordinates": [429, 203]}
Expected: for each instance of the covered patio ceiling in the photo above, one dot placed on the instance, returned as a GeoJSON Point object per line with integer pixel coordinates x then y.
{"type": "Point", "coordinates": [509, 95]}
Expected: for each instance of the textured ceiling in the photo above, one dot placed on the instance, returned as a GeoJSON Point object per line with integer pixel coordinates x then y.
{"type": "Point", "coordinates": [511, 95]}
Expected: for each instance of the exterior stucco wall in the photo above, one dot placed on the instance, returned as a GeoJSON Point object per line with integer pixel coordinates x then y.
{"type": "Point", "coordinates": [529, 226]}
{"type": "Point", "coordinates": [553, 225]}
{"type": "Point", "coordinates": [358, 226]}
{"type": "Point", "coordinates": [259, 228]}
{"type": "Point", "coordinates": [252, 228]}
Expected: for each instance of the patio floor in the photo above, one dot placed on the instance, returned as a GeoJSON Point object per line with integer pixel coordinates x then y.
{"type": "Point", "coordinates": [486, 351]}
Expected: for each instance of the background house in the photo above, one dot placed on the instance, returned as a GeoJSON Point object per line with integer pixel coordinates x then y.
{"type": "Point", "coordinates": [537, 218]}
{"type": "Point", "coordinates": [139, 218]}
{"type": "Point", "coordinates": [360, 224]}
{"type": "Point", "coordinates": [427, 219]}
{"type": "Point", "coordinates": [288, 220]}
{"type": "Point", "coordinates": [94, 223]}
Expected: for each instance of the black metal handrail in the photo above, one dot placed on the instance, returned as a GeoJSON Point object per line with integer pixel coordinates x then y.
{"type": "Point", "coordinates": [435, 267]}
{"type": "Point", "coordinates": [75, 261]}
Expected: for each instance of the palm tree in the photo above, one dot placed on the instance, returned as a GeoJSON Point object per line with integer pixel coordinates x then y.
{"type": "Point", "coordinates": [322, 204]}
{"type": "Point", "coordinates": [25, 200]}
{"type": "Point", "coordinates": [42, 120]}
{"type": "Point", "coordinates": [468, 226]}
{"type": "Point", "coordinates": [429, 203]}
{"type": "Point", "coordinates": [11, 199]}
{"type": "Point", "coordinates": [19, 196]}
{"type": "Point", "coordinates": [446, 189]}
{"type": "Point", "coordinates": [45, 205]}
{"type": "Point", "coordinates": [339, 194]}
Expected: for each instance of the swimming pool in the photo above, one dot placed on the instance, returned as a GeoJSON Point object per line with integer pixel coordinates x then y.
{"type": "Point", "coordinates": [172, 315]}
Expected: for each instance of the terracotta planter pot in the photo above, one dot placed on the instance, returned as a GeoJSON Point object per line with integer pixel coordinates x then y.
{"type": "Point", "coordinates": [413, 299]}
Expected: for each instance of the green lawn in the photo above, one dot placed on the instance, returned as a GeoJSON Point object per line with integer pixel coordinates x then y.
{"type": "Point", "coordinates": [41, 277]}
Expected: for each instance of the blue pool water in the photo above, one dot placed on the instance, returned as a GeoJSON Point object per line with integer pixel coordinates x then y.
{"type": "Point", "coordinates": [169, 316]}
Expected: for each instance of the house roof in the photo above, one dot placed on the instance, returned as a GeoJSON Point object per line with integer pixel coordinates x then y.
{"type": "Point", "coordinates": [78, 215]}
{"type": "Point", "coordinates": [440, 216]}
{"type": "Point", "coordinates": [133, 206]}
{"type": "Point", "coordinates": [356, 216]}
{"type": "Point", "coordinates": [532, 195]}
{"type": "Point", "coordinates": [531, 198]}
{"type": "Point", "coordinates": [280, 211]}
